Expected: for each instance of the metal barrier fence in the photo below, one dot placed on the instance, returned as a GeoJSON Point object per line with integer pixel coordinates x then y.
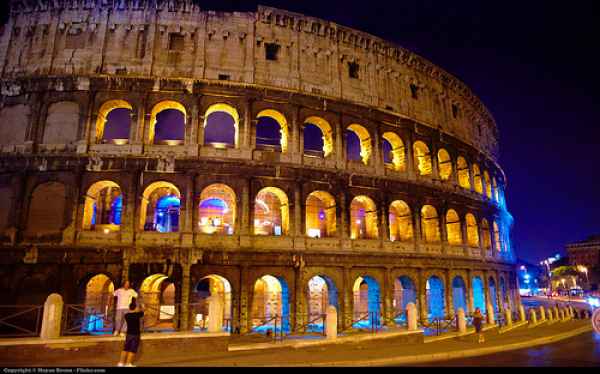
{"type": "Point", "coordinates": [20, 320]}
{"type": "Point", "coordinates": [79, 320]}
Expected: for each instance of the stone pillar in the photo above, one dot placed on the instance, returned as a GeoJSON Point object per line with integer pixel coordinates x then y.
{"type": "Point", "coordinates": [388, 296]}
{"type": "Point", "coordinates": [347, 299]}
{"type": "Point", "coordinates": [53, 308]}
{"type": "Point", "coordinates": [449, 297]}
{"type": "Point", "coordinates": [343, 216]}
{"type": "Point", "coordinates": [384, 225]}
{"type": "Point", "coordinates": [411, 316]}
{"type": "Point", "coordinates": [542, 313]}
{"type": "Point", "coordinates": [435, 171]}
{"type": "Point", "coordinates": [470, 298]}
{"type": "Point", "coordinates": [296, 141]}
{"type": "Point", "coordinates": [215, 314]}
{"type": "Point", "coordinates": [508, 316]}
{"type": "Point", "coordinates": [417, 225]}
{"type": "Point", "coordinates": [299, 307]}
{"type": "Point", "coordinates": [532, 316]}
{"type": "Point", "coordinates": [331, 323]}
{"type": "Point", "coordinates": [298, 221]}
{"type": "Point", "coordinates": [410, 157]}
{"type": "Point", "coordinates": [184, 311]}
{"type": "Point", "coordinates": [422, 295]}
{"type": "Point", "coordinates": [461, 321]}
{"type": "Point", "coordinates": [338, 147]}
{"type": "Point", "coordinates": [246, 141]}
{"type": "Point", "coordinates": [245, 228]}
{"type": "Point", "coordinates": [490, 313]}
{"type": "Point", "coordinates": [245, 301]}
{"type": "Point", "coordinates": [521, 313]}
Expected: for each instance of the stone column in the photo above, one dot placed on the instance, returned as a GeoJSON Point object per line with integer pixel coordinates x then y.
{"type": "Point", "coordinates": [384, 225]}
{"type": "Point", "coordinates": [377, 154]}
{"type": "Point", "coordinates": [343, 216]}
{"type": "Point", "coordinates": [245, 302]}
{"type": "Point", "coordinates": [331, 323]}
{"type": "Point", "coordinates": [245, 228]}
{"type": "Point", "coordinates": [246, 141]}
{"type": "Point", "coordinates": [422, 295]}
{"type": "Point", "coordinates": [300, 309]}
{"type": "Point", "coordinates": [470, 297]}
{"type": "Point", "coordinates": [296, 143]}
{"type": "Point", "coordinates": [184, 312]}
{"type": "Point", "coordinates": [410, 157]}
{"type": "Point", "coordinates": [435, 170]}
{"type": "Point", "coordinates": [417, 225]}
{"type": "Point", "coordinates": [192, 126]}
{"type": "Point", "coordinates": [347, 300]}
{"type": "Point", "coordinates": [444, 233]}
{"type": "Point", "coordinates": [298, 221]}
{"type": "Point", "coordinates": [215, 314]}
{"type": "Point", "coordinates": [388, 296]}
{"type": "Point", "coordinates": [53, 308]}
{"type": "Point", "coordinates": [449, 295]}
{"type": "Point", "coordinates": [461, 321]}
{"type": "Point", "coordinates": [339, 144]}
{"type": "Point", "coordinates": [411, 316]}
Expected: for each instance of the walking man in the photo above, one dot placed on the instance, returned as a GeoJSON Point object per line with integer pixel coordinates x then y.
{"type": "Point", "coordinates": [132, 341]}
{"type": "Point", "coordinates": [124, 297]}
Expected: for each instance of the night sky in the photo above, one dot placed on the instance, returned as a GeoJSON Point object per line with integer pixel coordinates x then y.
{"type": "Point", "coordinates": [533, 64]}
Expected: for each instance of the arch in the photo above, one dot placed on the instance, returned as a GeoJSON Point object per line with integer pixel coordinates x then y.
{"type": "Point", "coordinates": [103, 207]}
{"type": "Point", "coordinates": [398, 155]}
{"type": "Point", "coordinates": [459, 294]}
{"type": "Point", "coordinates": [13, 124]}
{"type": "Point", "coordinates": [477, 183]}
{"type": "Point", "coordinates": [221, 126]}
{"type": "Point", "coordinates": [493, 294]}
{"type": "Point", "coordinates": [164, 218]}
{"type": "Point", "coordinates": [212, 285]}
{"type": "Point", "coordinates": [436, 300]}
{"type": "Point", "coordinates": [464, 175]}
{"type": "Point", "coordinates": [472, 230]}
{"type": "Point", "coordinates": [400, 221]}
{"type": "Point", "coordinates": [154, 122]}
{"type": "Point", "coordinates": [270, 300]}
{"type": "Point", "coordinates": [430, 224]}
{"type": "Point", "coordinates": [365, 142]}
{"type": "Point", "coordinates": [478, 294]}
{"type": "Point", "coordinates": [495, 187]}
{"type": "Point", "coordinates": [453, 228]}
{"type": "Point", "coordinates": [497, 238]}
{"type": "Point", "coordinates": [366, 306]}
{"type": "Point", "coordinates": [488, 184]}
{"type": "Point", "coordinates": [157, 294]}
{"type": "Point", "coordinates": [98, 294]}
{"type": "Point", "coordinates": [485, 233]}
{"type": "Point", "coordinates": [320, 215]}
{"type": "Point", "coordinates": [271, 212]}
{"type": "Point", "coordinates": [326, 134]}
{"type": "Point", "coordinates": [321, 292]}
{"type": "Point", "coordinates": [283, 136]}
{"type": "Point", "coordinates": [47, 209]}
{"type": "Point", "coordinates": [62, 123]}
{"type": "Point", "coordinates": [405, 292]}
{"type": "Point", "coordinates": [444, 164]}
{"type": "Point", "coordinates": [503, 294]}
{"type": "Point", "coordinates": [102, 120]}
{"type": "Point", "coordinates": [422, 158]}
{"type": "Point", "coordinates": [363, 218]}
{"type": "Point", "coordinates": [217, 210]}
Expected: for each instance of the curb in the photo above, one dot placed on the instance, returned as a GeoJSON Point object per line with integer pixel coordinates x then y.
{"type": "Point", "coordinates": [443, 356]}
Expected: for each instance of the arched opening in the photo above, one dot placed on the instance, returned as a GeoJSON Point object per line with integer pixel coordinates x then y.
{"type": "Point", "coordinates": [430, 224]}
{"type": "Point", "coordinates": [62, 123]}
{"type": "Point", "coordinates": [477, 179]}
{"type": "Point", "coordinates": [497, 238]}
{"type": "Point", "coordinates": [405, 293]}
{"type": "Point", "coordinates": [157, 295]}
{"type": "Point", "coordinates": [211, 286]}
{"type": "Point", "coordinates": [321, 293]}
{"type": "Point", "coordinates": [217, 210]}
{"type": "Point", "coordinates": [270, 304]}
{"type": "Point", "coordinates": [103, 207]}
{"type": "Point", "coordinates": [160, 208]}
{"type": "Point", "coordinates": [478, 294]}
{"type": "Point", "coordinates": [47, 209]}
{"type": "Point", "coordinates": [462, 169]}
{"type": "Point", "coordinates": [98, 294]}
{"type": "Point", "coordinates": [167, 124]}
{"type": "Point", "coordinates": [503, 295]}
{"type": "Point", "coordinates": [272, 130]}
{"type": "Point", "coordinates": [400, 217]}
{"type": "Point", "coordinates": [436, 301]}
{"type": "Point", "coordinates": [493, 294]}
{"type": "Point", "coordinates": [358, 144]}
{"type": "Point", "coordinates": [366, 302]}
{"type": "Point", "coordinates": [363, 218]}
{"type": "Point", "coordinates": [393, 151]}
{"type": "Point", "coordinates": [320, 215]}
{"type": "Point", "coordinates": [422, 158]}
{"type": "Point", "coordinates": [472, 231]}
{"type": "Point", "coordinates": [444, 164]}
{"type": "Point", "coordinates": [14, 120]}
{"type": "Point", "coordinates": [318, 137]}
{"type": "Point", "coordinates": [453, 228]}
{"type": "Point", "coordinates": [495, 186]}
{"type": "Point", "coordinates": [114, 122]}
{"type": "Point", "coordinates": [486, 235]}
{"type": "Point", "coordinates": [488, 184]}
{"type": "Point", "coordinates": [271, 212]}
{"type": "Point", "coordinates": [221, 126]}
{"type": "Point", "coordinates": [459, 294]}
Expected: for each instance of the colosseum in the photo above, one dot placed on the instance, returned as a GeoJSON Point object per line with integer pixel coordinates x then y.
{"type": "Point", "coordinates": [278, 162]}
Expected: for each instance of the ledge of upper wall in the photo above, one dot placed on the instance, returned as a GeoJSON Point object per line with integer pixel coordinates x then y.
{"type": "Point", "coordinates": [386, 70]}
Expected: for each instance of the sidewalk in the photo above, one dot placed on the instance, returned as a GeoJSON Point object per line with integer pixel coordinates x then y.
{"type": "Point", "coordinates": [362, 353]}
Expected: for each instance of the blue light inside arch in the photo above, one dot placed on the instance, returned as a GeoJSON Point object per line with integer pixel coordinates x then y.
{"type": "Point", "coordinates": [166, 217]}
{"type": "Point", "coordinates": [435, 298]}
{"type": "Point", "coordinates": [214, 204]}
{"type": "Point", "coordinates": [116, 209]}
{"type": "Point", "coordinates": [478, 295]}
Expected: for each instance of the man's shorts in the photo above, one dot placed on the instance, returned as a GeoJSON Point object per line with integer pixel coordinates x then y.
{"type": "Point", "coordinates": [132, 343]}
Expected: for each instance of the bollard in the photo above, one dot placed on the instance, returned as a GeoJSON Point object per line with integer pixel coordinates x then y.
{"type": "Point", "coordinates": [215, 314]}
{"type": "Point", "coordinates": [461, 321]}
{"type": "Point", "coordinates": [522, 314]}
{"type": "Point", "coordinates": [561, 312]}
{"type": "Point", "coordinates": [490, 314]}
{"type": "Point", "coordinates": [331, 323]}
{"type": "Point", "coordinates": [556, 313]}
{"type": "Point", "coordinates": [542, 313]}
{"type": "Point", "coordinates": [532, 316]}
{"type": "Point", "coordinates": [550, 315]}
{"type": "Point", "coordinates": [508, 316]}
{"type": "Point", "coordinates": [411, 316]}
{"type": "Point", "coordinates": [53, 308]}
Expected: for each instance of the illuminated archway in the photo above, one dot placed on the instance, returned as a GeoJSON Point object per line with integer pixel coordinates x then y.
{"type": "Point", "coordinates": [422, 158]}
{"type": "Point", "coordinates": [106, 118]}
{"type": "Point", "coordinates": [497, 238]}
{"type": "Point", "coordinates": [270, 304]}
{"type": "Point", "coordinates": [161, 130]}
{"type": "Point", "coordinates": [321, 292]}
{"type": "Point", "coordinates": [472, 230]}
{"type": "Point", "coordinates": [157, 294]}
{"type": "Point", "coordinates": [478, 294]}
{"type": "Point", "coordinates": [211, 286]}
{"type": "Point", "coordinates": [397, 151]}
{"type": "Point", "coordinates": [503, 295]}
{"type": "Point", "coordinates": [160, 207]}
{"type": "Point", "coordinates": [221, 126]}
{"type": "Point", "coordinates": [488, 184]}
{"type": "Point", "coordinates": [272, 130]}
{"type": "Point", "coordinates": [405, 292]}
{"type": "Point", "coordinates": [430, 224]}
{"type": "Point", "coordinates": [217, 210]}
{"type": "Point", "coordinates": [495, 187]}
{"type": "Point", "coordinates": [271, 212]}
{"type": "Point", "coordinates": [478, 184]}
{"type": "Point", "coordinates": [363, 218]}
{"type": "Point", "coordinates": [320, 215]}
{"type": "Point", "coordinates": [462, 169]}
{"type": "Point", "coordinates": [367, 307]}
{"type": "Point", "coordinates": [436, 299]}
{"type": "Point", "coordinates": [98, 295]}
{"type": "Point", "coordinates": [444, 164]}
{"type": "Point", "coordinates": [486, 235]}
{"type": "Point", "coordinates": [400, 221]}
{"type": "Point", "coordinates": [326, 137]}
{"type": "Point", "coordinates": [493, 294]}
{"type": "Point", "coordinates": [453, 228]}
{"type": "Point", "coordinates": [459, 294]}
{"type": "Point", "coordinates": [364, 141]}
{"type": "Point", "coordinates": [103, 207]}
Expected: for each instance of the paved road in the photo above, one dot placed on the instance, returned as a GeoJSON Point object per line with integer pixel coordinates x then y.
{"type": "Point", "coordinates": [582, 350]}
{"type": "Point", "coordinates": [537, 301]}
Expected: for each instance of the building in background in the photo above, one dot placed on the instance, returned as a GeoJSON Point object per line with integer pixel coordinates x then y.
{"type": "Point", "coordinates": [585, 256]}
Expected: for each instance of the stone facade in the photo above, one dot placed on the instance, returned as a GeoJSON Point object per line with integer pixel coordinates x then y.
{"type": "Point", "coordinates": [63, 61]}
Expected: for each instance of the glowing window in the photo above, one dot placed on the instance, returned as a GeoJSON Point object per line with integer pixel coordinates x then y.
{"type": "Point", "coordinates": [393, 151]}
{"type": "Point", "coordinates": [453, 228]}
{"type": "Point", "coordinates": [444, 164]}
{"type": "Point", "coordinates": [167, 123]}
{"type": "Point", "coordinates": [362, 150]}
{"type": "Point", "coordinates": [160, 207]}
{"type": "Point", "coordinates": [462, 169]}
{"type": "Point", "coordinates": [320, 215]}
{"type": "Point", "coordinates": [478, 184]}
{"type": "Point", "coordinates": [430, 224]}
{"type": "Point", "coordinates": [272, 130]}
{"type": "Point", "coordinates": [114, 122]}
{"type": "Point", "coordinates": [495, 186]}
{"type": "Point", "coordinates": [497, 238]}
{"type": "Point", "coordinates": [400, 220]}
{"type": "Point", "coordinates": [217, 209]}
{"type": "Point", "coordinates": [488, 184]}
{"type": "Point", "coordinates": [472, 230]}
{"type": "Point", "coordinates": [318, 137]}
{"type": "Point", "coordinates": [271, 212]}
{"type": "Point", "coordinates": [363, 218]}
{"type": "Point", "coordinates": [486, 235]}
{"type": "Point", "coordinates": [422, 158]}
{"type": "Point", "coordinates": [103, 207]}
